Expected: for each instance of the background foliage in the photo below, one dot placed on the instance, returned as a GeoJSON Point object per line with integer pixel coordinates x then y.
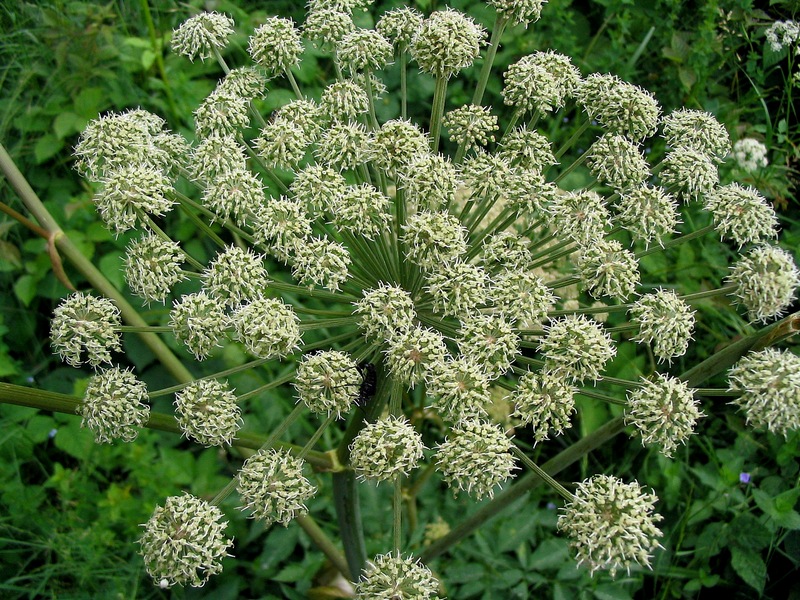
{"type": "Point", "coordinates": [70, 508]}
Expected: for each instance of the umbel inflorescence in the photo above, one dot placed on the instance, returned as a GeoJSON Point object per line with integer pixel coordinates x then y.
{"type": "Point", "coordinates": [449, 258]}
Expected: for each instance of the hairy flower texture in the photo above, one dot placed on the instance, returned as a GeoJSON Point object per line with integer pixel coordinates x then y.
{"type": "Point", "coordinates": [321, 262]}
{"type": "Point", "coordinates": [84, 323]}
{"type": "Point", "coordinates": [271, 485]}
{"type": "Point", "coordinates": [458, 289]}
{"type": "Point", "coordinates": [582, 216]}
{"type": "Point", "coordinates": [519, 11]}
{"type": "Point", "coordinates": [505, 249]}
{"type": "Point", "coordinates": [392, 577]}
{"type": "Point", "coordinates": [611, 524]}
{"type": "Point", "coordinates": [527, 149]}
{"type": "Point", "coordinates": [576, 347]}
{"type": "Point", "coordinates": [267, 327]}
{"type": "Point", "coordinates": [433, 238]}
{"type": "Point", "coordinates": [134, 137]}
{"type": "Point", "coordinates": [521, 296]}
{"type": "Point", "coordinates": [696, 130]}
{"type": "Point", "coordinates": [234, 194]}
{"type": "Point", "coordinates": [153, 267]}
{"type": "Point", "coordinates": [216, 155]}
{"type": "Point", "coordinates": [385, 311]}
{"type": "Point", "coordinates": [399, 143]}
{"type": "Point", "coordinates": [328, 382]}
{"type": "Point", "coordinates": [766, 280]}
{"type": "Point", "coordinates": [617, 162]}
{"type": "Point", "coordinates": [276, 45]}
{"type": "Point", "coordinates": [184, 542]}
{"type": "Point", "coordinates": [282, 144]}
{"type": "Point", "coordinates": [245, 82]}
{"type": "Point", "coordinates": [769, 382]}
{"type": "Point", "coordinates": [664, 412]}
{"type": "Point", "coordinates": [529, 86]}
{"type": "Point", "coordinates": [385, 449]}
{"type": "Point", "coordinates": [364, 50]}
{"type": "Point", "coordinates": [344, 101]}
{"type": "Point", "coordinates": [361, 210]}
{"type": "Point", "coordinates": [689, 172]}
{"type": "Point", "coordinates": [222, 111]}
{"type": "Point", "coordinates": [430, 182]}
{"type": "Point", "coordinates": [200, 35]}
{"type": "Point", "coordinates": [750, 155]}
{"type": "Point", "coordinates": [782, 34]}
{"type": "Point", "coordinates": [306, 114]}
{"type": "Point", "coordinates": [607, 269]}
{"type": "Point", "coordinates": [459, 389]}
{"type": "Point", "coordinates": [742, 214]}
{"type": "Point", "coordinates": [399, 26]}
{"type": "Point", "coordinates": [114, 405]}
{"type": "Point", "coordinates": [648, 213]}
{"type": "Point", "coordinates": [489, 340]}
{"type": "Point", "coordinates": [200, 322]}
{"type": "Point", "coordinates": [447, 42]}
{"type": "Point", "coordinates": [345, 6]}
{"type": "Point", "coordinates": [280, 224]}
{"type": "Point", "coordinates": [471, 126]}
{"type": "Point", "coordinates": [665, 321]}
{"type": "Point", "coordinates": [344, 146]}
{"type": "Point", "coordinates": [412, 353]}
{"type": "Point", "coordinates": [545, 401]}
{"type": "Point", "coordinates": [618, 106]}
{"type": "Point", "coordinates": [475, 458]}
{"type": "Point", "coordinates": [485, 174]}
{"type": "Point", "coordinates": [207, 412]}
{"type": "Point", "coordinates": [235, 276]}
{"type": "Point", "coordinates": [317, 188]}
{"type": "Point", "coordinates": [131, 190]}
{"type": "Point", "coordinates": [327, 26]}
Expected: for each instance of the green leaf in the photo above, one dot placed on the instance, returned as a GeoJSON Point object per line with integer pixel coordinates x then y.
{"type": "Point", "coordinates": [67, 123]}
{"type": "Point", "coordinates": [610, 591]}
{"type": "Point", "coordinates": [111, 266]}
{"type": "Point", "coordinates": [25, 289]}
{"type": "Point", "coordinates": [74, 440]}
{"type": "Point", "coordinates": [290, 573]}
{"type": "Point", "coordinates": [786, 501]}
{"type": "Point", "coordinates": [550, 554]}
{"type": "Point", "coordinates": [47, 147]}
{"type": "Point", "coordinates": [749, 532]}
{"type": "Point", "coordinates": [750, 567]}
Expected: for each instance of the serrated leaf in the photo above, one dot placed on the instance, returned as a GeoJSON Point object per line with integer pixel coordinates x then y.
{"type": "Point", "coordinates": [750, 567]}
{"type": "Point", "coordinates": [786, 501]}
{"type": "Point", "coordinates": [749, 532]}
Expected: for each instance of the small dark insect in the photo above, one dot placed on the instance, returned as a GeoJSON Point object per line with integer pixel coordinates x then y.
{"type": "Point", "coordinates": [369, 384]}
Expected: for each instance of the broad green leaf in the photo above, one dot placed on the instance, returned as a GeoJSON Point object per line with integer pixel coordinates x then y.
{"type": "Point", "coordinates": [750, 567]}
{"type": "Point", "coordinates": [25, 289]}
{"type": "Point", "coordinates": [47, 147]}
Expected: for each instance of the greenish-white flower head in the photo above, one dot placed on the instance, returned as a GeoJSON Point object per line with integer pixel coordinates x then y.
{"type": "Point", "coordinates": [690, 172]}
{"type": "Point", "coordinates": [618, 106]}
{"type": "Point", "coordinates": [412, 353]}
{"type": "Point", "coordinates": [519, 11]}
{"type": "Point", "coordinates": [399, 143]}
{"type": "Point", "coordinates": [344, 145]}
{"type": "Point", "coordinates": [581, 215]}
{"type": "Point", "coordinates": [608, 269]}
{"type": "Point", "coordinates": [235, 276]}
{"type": "Point", "coordinates": [521, 296]}
{"type": "Point", "coordinates": [611, 524]}
{"type": "Point", "coordinates": [271, 485]}
{"type": "Point", "coordinates": [530, 87]}
{"type": "Point", "coordinates": [458, 389]}
{"type": "Point", "coordinates": [201, 35]}
{"type": "Point", "coordinates": [447, 42]}
{"type": "Point", "coordinates": [576, 347]}
{"type": "Point", "coordinates": [485, 175]}
{"type": "Point", "coordinates": [387, 448]}
{"type": "Point", "coordinates": [317, 187]}
{"type": "Point", "coordinates": [84, 324]}
{"type": "Point", "coordinates": [433, 238]}
{"type": "Point", "coordinates": [327, 26]}
{"type": "Point", "coordinates": [328, 382]}
{"type": "Point", "coordinates": [223, 111]}
{"type": "Point", "coordinates": [392, 577]}
{"type": "Point", "coordinates": [648, 213]}
{"type": "Point", "coordinates": [471, 125]}
{"type": "Point", "coordinates": [430, 181]}
{"type": "Point", "coordinates": [617, 162]}
{"type": "Point", "coordinates": [114, 406]}
{"type": "Point", "coordinates": [750, 154]}
{"type": "Point", "coordinates": [505, 250]}
{"type": "Point", "coordinates": [545, 401]}
{"type": "Point", "coordinates": [344, 100]}
{"type": "Point", "coordinates": [216, 155]}
{"type": "Point", "coordinates": [276, 45]}
{"type": "Point", "coordinates": [153, 267]}
{"type": "Point", "coordinates": [200, 322]}
{"type": "Point", "coordinates": [458, 289]}
{"type": "Point", "coordinates": [697, 130]}
{"type": "Point", "coordinates": [245, 82]}
{"type": "Point", "coordinates": [527, 149]}
{"type": "Point", "coordinates": [664, 412]}
{"type": "Point", "coordinates": [400, 25]}
{"type": "Point", "coordinates": [267, 327]}
{"type": "Point", "coordinates": [489, 340]}
{"type": "Point", "coordinates": [769, 382]}
{"type": "Point", "coordinates": [280, 224]}
{"type": "Point", "coordinates": [364, 50]}
{"type": "Point", "coordinates": [131, 191]}
{"type": "Point", "coordinates": [207, 412]}
{"type": "Point", "coordinates": [766, 279]}
{"type": "Point", "coordinates": [476, 457]}
{"type": "Point", "coordinates": [282, 144]}
{"type": "Point", "coordinates": [385, 311]}
{"type": "Point", "coordinates": [361, 210]}
{"type": "Point", "coordinates": [236, 194]}
{"type": "Point", "coordinates": [665, 321]}
{"type": "Point", "coordinates": [308, 115]}
{"type": "Point", "coordinates": [320, 262]}
{"type": "Point", "coordinates": [742, 214]}
{"type": "Point", "coordinates": [184, 542]}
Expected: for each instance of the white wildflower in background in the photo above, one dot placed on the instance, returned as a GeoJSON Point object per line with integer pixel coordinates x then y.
{"type": "Point", "coordinates": [750, 154]}
{"type": "Point", "coordinates": [783, 34]}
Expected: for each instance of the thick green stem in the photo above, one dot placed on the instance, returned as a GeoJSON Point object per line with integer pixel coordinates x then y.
{"type": "Point", "coordinates": [437, 110]}
{"type": "Point", "coordinates": [324, 543]}
{"type": "Point", "coordinates": [500, 23]}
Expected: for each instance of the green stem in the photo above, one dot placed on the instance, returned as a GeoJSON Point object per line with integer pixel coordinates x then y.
{"type": "Point", "coordinates": [437, 110]}
{"type": "Point", "coordinates": [159, 58]}
{"type": "Point", "coordinates": [324, 543]}
{"type": "Point", "coordinates": [397, 514]}
{"type": "Point", "coordinates": [499, 27]}
{"type": "Point", "coordinates": [543, 474]}
{"type": "Point", "coordinates": [677, 241]}
{"type": "Point", "coordinates": [317, 434]}
{"type": "Point", "coordinates": [403, 84]}
{"type": "Point", "coordinates": [293, 83]}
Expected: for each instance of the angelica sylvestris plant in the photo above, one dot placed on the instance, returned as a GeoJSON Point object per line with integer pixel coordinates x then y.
{"type": "Point", "coordinates": [448, 252]}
